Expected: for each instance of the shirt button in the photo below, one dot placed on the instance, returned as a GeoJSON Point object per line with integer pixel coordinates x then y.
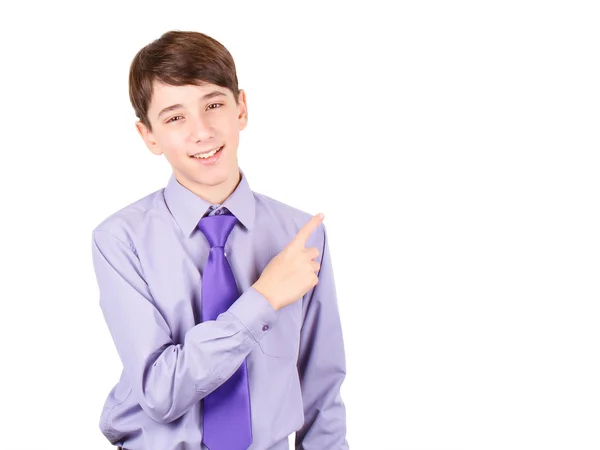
{"type": "Point", "coordinates": [265, 327]}
{"type": "Point", "coordinates": [218, 212]}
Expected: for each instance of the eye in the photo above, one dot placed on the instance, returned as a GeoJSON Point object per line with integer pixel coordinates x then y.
{"type": "Point", "coordinates": [171, 119]}
{"type": "Point", "coordinates": [215, 104]}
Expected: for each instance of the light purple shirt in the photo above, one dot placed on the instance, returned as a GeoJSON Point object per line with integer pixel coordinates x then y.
{"type": "Point", "coordinates": [148, 259]}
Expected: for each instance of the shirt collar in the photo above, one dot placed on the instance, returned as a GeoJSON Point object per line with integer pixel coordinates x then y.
{"type": "Point", "coordinates": [187, 208]}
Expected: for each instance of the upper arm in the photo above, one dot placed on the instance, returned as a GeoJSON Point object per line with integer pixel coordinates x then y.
{"type": "Point", "coordinates": [322, 364]}
{"type": "Point", "coordinates": [138, 329]}
{"type": "Point", "coordinates": [321, 331]}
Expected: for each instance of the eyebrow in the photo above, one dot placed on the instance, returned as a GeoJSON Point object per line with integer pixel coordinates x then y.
{"type": "Point", "coordinates": [179, 105]}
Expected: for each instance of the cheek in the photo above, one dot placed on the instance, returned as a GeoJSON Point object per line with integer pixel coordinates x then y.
{"type": "Point", "coordinates": [173, 143]}
{"type": "Point", "coordinates": [231, 125]}
{"type": "Point", "coordinates": [233, 129]}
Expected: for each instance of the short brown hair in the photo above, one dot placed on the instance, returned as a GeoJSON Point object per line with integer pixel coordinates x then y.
{"type": "Point", "coordinates": [179, 58]}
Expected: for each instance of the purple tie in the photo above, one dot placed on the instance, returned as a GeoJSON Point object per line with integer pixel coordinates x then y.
{"type": "Point", "coordinates": [226, 422]}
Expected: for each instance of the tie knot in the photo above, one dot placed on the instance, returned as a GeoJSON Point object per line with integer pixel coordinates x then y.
{"type": "Point", "coordinates": [217, 228]}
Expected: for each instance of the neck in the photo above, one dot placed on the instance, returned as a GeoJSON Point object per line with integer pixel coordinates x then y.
{"type": "Point", "coordinates": [215, 194]}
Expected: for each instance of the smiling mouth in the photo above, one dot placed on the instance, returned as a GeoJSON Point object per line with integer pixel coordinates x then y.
{"type": "Point", "coordinates": [207, 155]}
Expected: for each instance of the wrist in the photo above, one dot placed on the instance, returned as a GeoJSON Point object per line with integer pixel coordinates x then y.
{"type": "Point", "coordinates": [264, 292]}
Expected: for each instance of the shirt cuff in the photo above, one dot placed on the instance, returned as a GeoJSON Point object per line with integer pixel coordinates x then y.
{"type": "Point", "coordinates": [255, 312]}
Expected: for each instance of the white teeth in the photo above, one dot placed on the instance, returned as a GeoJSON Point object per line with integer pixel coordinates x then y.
{"type": "Point", "coordinates": [206, 155]}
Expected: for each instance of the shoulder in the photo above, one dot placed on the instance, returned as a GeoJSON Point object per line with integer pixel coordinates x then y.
{"type": "Point", "coordinates": [273, 213]}
{"type": "Point", "coordinates": [126, 221]}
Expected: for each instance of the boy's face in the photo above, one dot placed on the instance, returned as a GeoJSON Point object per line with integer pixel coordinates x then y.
{"type": "Point", "coordinates": [205, 118]}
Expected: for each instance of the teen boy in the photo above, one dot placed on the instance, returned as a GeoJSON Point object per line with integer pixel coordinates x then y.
{"type": "Point", "coordinates": [220, 301]}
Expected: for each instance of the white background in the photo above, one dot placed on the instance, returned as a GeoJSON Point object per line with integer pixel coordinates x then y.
{"type": "Point", "coordinates": [453, 147]}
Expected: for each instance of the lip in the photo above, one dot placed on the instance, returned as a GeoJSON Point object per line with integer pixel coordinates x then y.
{"type": "Point", "coordinates": [206, 151]}
{"type": "Point", "coordinates": [212, 160]}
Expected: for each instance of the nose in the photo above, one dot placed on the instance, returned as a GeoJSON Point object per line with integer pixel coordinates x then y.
{"type": "Point", "coordinates": [201, 129]}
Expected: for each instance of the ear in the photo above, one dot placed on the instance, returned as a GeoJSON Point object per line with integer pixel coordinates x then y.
{"type": "Point", "coordinates": [148, 138]}
{"type": "Point", "coordinates": [242, 110]}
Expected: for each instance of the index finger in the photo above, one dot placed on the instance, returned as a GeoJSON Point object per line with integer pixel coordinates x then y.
{"type": "Point", "coordinates": [307, 229]}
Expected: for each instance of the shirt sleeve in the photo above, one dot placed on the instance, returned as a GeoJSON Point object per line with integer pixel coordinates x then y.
{"type": "Point", "coordinates": [169, 378]}
{"type": "Point", "coordinates": [322, 365]}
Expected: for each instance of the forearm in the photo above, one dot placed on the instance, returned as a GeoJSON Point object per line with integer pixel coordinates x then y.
{"type": "Point", "coordinates": [325, 415]}
{"type": "Point", "coordinates": [167, 378]}
{"type": "Point", "coordinates": [172, 381]}
{"type": "Point", "coordinates": [322, 375]}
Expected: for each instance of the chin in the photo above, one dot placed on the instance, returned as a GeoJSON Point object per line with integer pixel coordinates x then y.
{"type": "Point", "coordinates": [213, 178]}
{"type": "Point", "coordinates": [210, 180]}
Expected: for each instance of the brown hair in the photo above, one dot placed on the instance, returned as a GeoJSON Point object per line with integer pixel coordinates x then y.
{"type": "Point", "coordinates": [179, 58]}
